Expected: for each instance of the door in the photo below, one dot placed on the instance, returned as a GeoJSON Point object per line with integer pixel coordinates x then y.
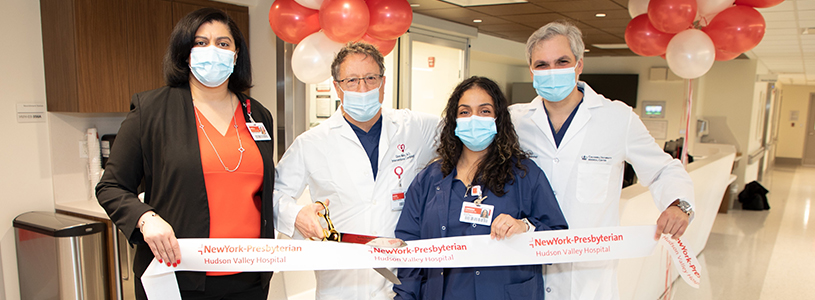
{"type": "Point", "coordinates": [434, 65]}
{"type": "Point", "coordinates": [809, 143]}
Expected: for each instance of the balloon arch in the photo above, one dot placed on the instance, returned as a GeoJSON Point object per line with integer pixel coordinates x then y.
{"type": "Point", "coordinates": [692, 34]}
{"type": "Point", "coordinates": [320, 28]}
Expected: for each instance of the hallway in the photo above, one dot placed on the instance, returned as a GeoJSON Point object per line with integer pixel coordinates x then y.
{"type": "Point", "coordinates": [762, 254]}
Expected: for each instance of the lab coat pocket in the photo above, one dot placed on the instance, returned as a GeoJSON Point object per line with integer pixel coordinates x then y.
{"type": "Point", "coordinates": [529, 289]}
{"type": "Point", "coordinates": [592, 182]}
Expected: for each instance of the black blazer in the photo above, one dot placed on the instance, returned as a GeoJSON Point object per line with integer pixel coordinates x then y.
{"type": "Point", "coordinates": [158, 142]}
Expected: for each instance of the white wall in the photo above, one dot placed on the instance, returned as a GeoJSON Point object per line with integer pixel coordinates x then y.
{"type": "Point", "coordinates": [26, 179]}
{"type": "Point", "coordinates": [500, 60]}
{"type": "Point", "coordinates": [791, 134]}
{"type": "Point", "coordinates": [730, 104]}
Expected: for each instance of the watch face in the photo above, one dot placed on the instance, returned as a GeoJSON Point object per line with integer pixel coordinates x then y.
{"type": "Point", "coordinates": [684, 206]}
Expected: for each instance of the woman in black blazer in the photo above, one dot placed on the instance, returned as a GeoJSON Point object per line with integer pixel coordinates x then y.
{"type": "Point", "coordinates": [187, 142]}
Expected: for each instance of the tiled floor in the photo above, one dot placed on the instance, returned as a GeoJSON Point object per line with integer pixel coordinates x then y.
{"type": "Point", "coordinates": [762, 254]}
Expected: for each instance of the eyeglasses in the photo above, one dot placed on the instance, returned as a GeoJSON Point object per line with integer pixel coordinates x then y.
{"type": "Point", "coordinates": [370, 80]}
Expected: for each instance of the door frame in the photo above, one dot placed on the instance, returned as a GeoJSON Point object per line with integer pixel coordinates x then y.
{"type": "Point", "coordinates": [403, 99]}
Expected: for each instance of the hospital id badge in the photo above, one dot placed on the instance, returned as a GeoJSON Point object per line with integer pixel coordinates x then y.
{"type": "Point", "coordinates": [476, 214]}
{"type": "Point", "coordinates": [397, 199]}
{"type": "Point", "coordinates": [258, 131]}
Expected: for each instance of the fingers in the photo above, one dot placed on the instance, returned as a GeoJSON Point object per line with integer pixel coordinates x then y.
{"type": "Point", "coordinates": [159, 235]}
{"type": "Point", "coordinates": [308, 221]}
{"type": "Point", "coordinates": [673, 222]}
{"type": "Point", "coordinates": [505, 226]}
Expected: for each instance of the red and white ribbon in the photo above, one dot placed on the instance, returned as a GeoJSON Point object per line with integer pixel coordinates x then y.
{"type": "Point", "coordinates": [542, 247]}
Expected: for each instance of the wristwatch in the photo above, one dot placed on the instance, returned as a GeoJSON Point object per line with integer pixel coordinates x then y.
{"type": "Point", "coordinates": [684, 206]}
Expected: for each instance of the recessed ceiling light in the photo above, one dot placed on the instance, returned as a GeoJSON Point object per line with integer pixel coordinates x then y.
{"type": "Point", "coordinates": [415, 5]}
{"type": "Point", "coordinates": [586, 50]}
{"type": "Point", "coordinates": [477, 21]}
{"type": "Point", "coordinates": [466, 3]}
{"type": "Point", "coordinates": [610, 46]}
{"type": "Point", "coordinates": [600, 15]}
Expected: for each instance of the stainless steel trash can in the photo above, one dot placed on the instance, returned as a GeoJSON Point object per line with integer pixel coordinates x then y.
{"type": "Point", "coordinates": [60, 256]}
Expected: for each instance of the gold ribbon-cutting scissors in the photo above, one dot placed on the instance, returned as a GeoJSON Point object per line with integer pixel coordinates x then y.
{"type": "Point", "coordinates": [331, 234]}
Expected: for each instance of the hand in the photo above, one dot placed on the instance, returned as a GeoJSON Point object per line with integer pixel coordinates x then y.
{"type": "Point", "coordinates": [505, 226]}
{"type": "Point", "coordinates": [672, 221]}
{"type": "Point", "coordinates": [308, 222]}
{"type": "Point", "coordinates": [160, 237]}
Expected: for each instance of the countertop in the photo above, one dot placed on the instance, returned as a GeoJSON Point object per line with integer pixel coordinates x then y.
{"type": "Point", "coordinates": [85, 207]}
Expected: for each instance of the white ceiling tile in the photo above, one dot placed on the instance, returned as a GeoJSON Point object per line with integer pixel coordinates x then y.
{"type": "Point", "coordinates": [782, 24]}
{"type": "Point", "coordinates": [781, 31]}
{"type": "Point", "coordinates": [806, 23]}
{"type": "Point", "coordinates": [806, 5]}
{"type": "Point", "coordinates": [778, 16]}
{"type": "Point", "coordinates": [783, 6]}
{"type": "Point", "coordinates": [778, 43]}
{"type": "Point", "coordinates": [805, 15]}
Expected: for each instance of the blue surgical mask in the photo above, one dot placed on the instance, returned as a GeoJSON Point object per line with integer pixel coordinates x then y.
{"type": "Point", "coordinates": [554, 84]}
{"type": "Point", "coordinates": [361, 106]}
{"type": "Point", "coordinates": [476, 132]}
{"type": "Point", "coordinates": [211, 65]}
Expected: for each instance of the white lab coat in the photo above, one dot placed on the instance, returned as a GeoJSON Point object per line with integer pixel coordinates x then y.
{"type": "Point", "coordinates": [332, 162]}
{"type": "Point", "coordinates": [586, 172]}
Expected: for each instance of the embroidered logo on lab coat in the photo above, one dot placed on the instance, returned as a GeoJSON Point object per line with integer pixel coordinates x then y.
{"type": "Point", "coordinates": [596, 158]}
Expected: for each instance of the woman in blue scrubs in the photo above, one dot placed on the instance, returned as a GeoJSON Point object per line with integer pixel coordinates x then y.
{"type": "Point", "coordinates": [481, 183]}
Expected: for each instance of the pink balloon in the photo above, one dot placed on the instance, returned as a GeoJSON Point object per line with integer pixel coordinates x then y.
{"type": "Point", "coordinates": [672, 16]}
{"type": "Point", "coordinates": [737, 29]}
{"type": "Point", "coordinates": [344, 20]}
{"type": "Point", "coordinates": [759, 3]}
{"type": "Point", "coordinates": [384, 47]}
{"type": "Point", "coordinates": [291, 21]}
{"type": "Point", "coordinates": [644, 39]}
{"type": "Point", "coordinates": [389, 18]}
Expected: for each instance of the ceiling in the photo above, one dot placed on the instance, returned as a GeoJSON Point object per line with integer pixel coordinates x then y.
{"type": "Point", "coordinates": [783, 50]}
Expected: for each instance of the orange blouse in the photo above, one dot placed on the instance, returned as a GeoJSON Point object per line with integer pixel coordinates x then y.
{"type": "Point", "coordinates": [233, 197]}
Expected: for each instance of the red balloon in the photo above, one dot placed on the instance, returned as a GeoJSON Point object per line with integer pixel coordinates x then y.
{"type": "Point", "coordinates": [293, 22]}
{"type": "Point", "coordinates": [344, 20]}
{"type": "Point", "coordinates": [644, 39]}
{"type": "Point", "coordinates": [736, 29]}
{"type": "Point", "coordinates": [759, 3]}
{"type": "Point", "coordinates": [384, 46]}
{"type": "Point", "coordinates": [724, 55]}
{"type": "Point", "coordinates": [389, 18]}
{"type": "Point", "coordinates": [671, 16]}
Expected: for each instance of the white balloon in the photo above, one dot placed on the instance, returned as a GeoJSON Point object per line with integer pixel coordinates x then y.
{"type": "Point", "coordinates": [707, 9]}
{"type": "Point", "coordinates": [312, 58]}
{"type": "Point", "coordinates": [638, 7]}
{"type": "Point", "coordinates": [313, 4]}
{"type": "Point", "coordinates": [690, 53]}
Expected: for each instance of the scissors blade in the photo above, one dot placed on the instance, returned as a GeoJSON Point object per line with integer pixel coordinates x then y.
{"type": "Point", "coordinates": [388, 275]}
{"type": "Point", "coordinates": [373, 241]}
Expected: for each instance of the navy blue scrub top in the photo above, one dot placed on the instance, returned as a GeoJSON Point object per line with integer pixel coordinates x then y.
{"type": "Point", "coordinates": [559, 135]}
{"type": "Point", "coordinates": [458, 282]}
{"type": "Point", "coordinates": [370, 141]}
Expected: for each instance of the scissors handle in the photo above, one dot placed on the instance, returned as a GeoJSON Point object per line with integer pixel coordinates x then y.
{"type": "Point", "coordinates": [329, 234]}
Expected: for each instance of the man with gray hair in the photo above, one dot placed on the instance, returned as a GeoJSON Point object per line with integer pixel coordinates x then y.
{"type": "Point", "coordinates": [359, 162]}
{"type": "Point", "coordinates": [581, 140]}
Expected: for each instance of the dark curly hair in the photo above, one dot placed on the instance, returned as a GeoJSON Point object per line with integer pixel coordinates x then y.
{"type": "Point", "coordinates": [176, 66]}
{"type": "Point", "coordinates": [495, 170]}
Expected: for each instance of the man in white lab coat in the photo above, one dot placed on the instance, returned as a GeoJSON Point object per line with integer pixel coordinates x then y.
{"type": "Point", "coordinates": [580, 139]}
{"type": "Point", "coordinates": [359, 162]}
